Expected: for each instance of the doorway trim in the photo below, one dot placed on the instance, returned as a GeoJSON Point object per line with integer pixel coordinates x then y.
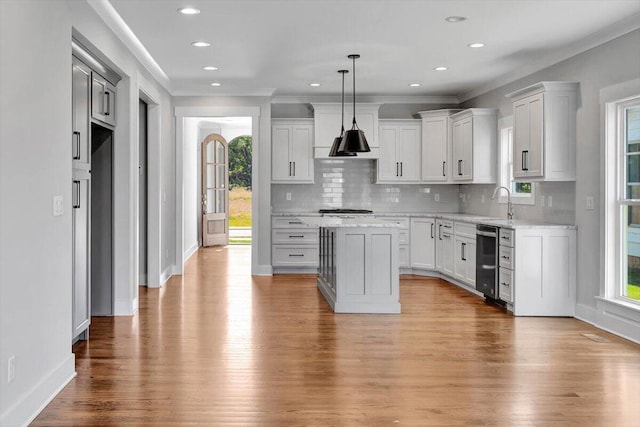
{"type": "Point", "coordinates": [260, 179]}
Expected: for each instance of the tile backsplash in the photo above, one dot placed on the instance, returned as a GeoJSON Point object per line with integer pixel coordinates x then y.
{"type": "Point", "coordinates": [350, 184]}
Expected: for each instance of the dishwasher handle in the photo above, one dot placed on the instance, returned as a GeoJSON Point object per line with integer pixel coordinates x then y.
{"type": "Point", "coordinates": [486, 234]}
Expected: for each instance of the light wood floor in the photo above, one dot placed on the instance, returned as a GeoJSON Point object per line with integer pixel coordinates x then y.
{"type": "Point", "coordinates": [219, 347]}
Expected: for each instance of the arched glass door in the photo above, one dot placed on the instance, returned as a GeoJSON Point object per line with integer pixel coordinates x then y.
{"type": "Point", "coordinates": [215, 191]}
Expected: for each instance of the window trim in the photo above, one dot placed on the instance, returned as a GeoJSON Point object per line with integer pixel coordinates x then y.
{"type": "Point", "coordinates": [505, 150]}
{"type": "Point", "coordinates": [613, 100]}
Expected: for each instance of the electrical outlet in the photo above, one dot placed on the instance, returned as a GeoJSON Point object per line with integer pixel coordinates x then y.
{"type": "Point", "coordinates": [11, 369]}
{"type": "Point", "coordinates": [288, 196]}
{"type": "Point", "coordinates": [58, 207]}
{"type": "Point", "coordinates": [436, 197]}
{"type": "Point", "coordinates": [550, 201]}
{"type": "Point", "coordinates": [427, 190]}
{"type": "Point", "coordinates": [590, 204]}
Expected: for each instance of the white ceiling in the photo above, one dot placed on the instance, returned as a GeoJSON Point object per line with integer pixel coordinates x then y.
{"type": "Point", "coordinates": [280, 46]}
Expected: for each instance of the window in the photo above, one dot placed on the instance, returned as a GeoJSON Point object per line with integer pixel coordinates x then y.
{"type": "Point", "coordinates": [628, 177]}
{"type": "Point", "coordinates": [522, 193]}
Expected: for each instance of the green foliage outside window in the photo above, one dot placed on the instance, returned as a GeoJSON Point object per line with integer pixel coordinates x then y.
{"type": "Point", "coordinates": [240, 162]}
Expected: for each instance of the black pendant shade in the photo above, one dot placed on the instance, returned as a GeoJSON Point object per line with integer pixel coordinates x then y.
{"type": "Point", "coordinates": [336, 142]}
{"type": "Point", "coordinates": [354, 140]}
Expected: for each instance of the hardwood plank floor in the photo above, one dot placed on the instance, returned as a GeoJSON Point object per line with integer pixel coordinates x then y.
{"type": "Point", "coordinates": [219, 347]}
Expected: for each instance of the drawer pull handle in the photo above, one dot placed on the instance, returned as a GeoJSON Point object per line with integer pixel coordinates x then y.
{"type": "Point", "coordinates": [505, 284]}
{"type": "Point", "coordinates": [504, 257]}
{"type": "Point", "coordinates": [505, 238]}
{"type": "Point", "coordinates": [295, 222]}
{"type": "Point", "coordinates": [296, 255]}
{"type": "Point", "coordinates": [296, 236]}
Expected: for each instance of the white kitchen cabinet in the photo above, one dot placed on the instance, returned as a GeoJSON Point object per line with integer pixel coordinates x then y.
{"type": "Point", "coordinates": [444, 246]}
{"type": "Point", "coordinates": [103, 100]}
{"type": "Point", "coordinates": [399, 151]}
{"type": "Point", "coordinates": [327, 123]}
{"type": "Point", "coordinates": [542, 280]}
{"type": "Point", "coordinates": [465, 260]}
{"type": "Point", "coordinates": [423, 243]}
{"type": "Point", "coordinates": [291, 155]}
{"type": "Point", "coordinates": [474, 145]}
{"type": "Point", "coordinates": [544, 132]}
{"type": "Point", "coordinates": [436, 145]}
{"type": "Point", "coordinates": [403, 238]}
{"type": "Point", "coordinates": [80, 122]}
{"type": "Point", "coordinates": [293, 245]}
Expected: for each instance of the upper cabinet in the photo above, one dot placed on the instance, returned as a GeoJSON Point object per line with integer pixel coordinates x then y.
{"type": "Point", "coordinates": [81, 126]}
{"type": "Point", "coordinates": [399, 151]}
{"type": "Point", "coordinates": [103, 100]}
{"type": "Point", "coordinates": [436, 145]}
{"type": "Point", "coordinates": [327, 119]}
{"type": "Point", "coordinates": [474, 145]}
{"type": "Point", "coordinates": [544, 132]}
{"type": "Point", "coordinates": [291, 155]}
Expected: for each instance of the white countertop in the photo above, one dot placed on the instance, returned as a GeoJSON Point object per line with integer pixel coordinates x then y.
{"type": "Point", "coordinates": [346, 222]}
{"type": "Point", "coordinates": [476, 219]}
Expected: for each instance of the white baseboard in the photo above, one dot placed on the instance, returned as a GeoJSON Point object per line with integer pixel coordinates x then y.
{"type": "Point", "coordinates": [35, 400]}
{"type": "Point", "coordinates": [611, 318]}
{"type": "Point", "coordinates": [142, 279]}
{"type": "Point", "coordinates": [192, 250]}
{"type": "Point", "coordinates": [262, 270]}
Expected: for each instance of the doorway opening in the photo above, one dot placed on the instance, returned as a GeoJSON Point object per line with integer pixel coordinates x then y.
{"type": "Point", "coordinates": [240, 190]}
{"type": "Point", "coordinates": [142, 193]}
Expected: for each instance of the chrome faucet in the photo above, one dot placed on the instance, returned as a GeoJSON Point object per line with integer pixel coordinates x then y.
{"type": "Point", "coordinates": [509, 205]}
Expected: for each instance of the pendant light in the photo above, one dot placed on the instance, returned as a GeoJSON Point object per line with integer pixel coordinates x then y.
{"type": "Point", "coordinates": [336, 142]}
{"type": "Point", "coordinates": [354, 140]}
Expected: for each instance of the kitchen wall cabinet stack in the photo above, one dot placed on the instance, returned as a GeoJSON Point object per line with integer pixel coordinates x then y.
{"type": "Point", "coordinates": [103, 100]}
{"type": "Point", "coordinates": [537, 274]}
{"type": "Point", "coordinates": [474, 146]}
{"type": "Point", "coordinates": [293, 244]}
{"type": "Point", "coordinates": [292, 145]}
{"type": "Point", "coordinates": [436, 146]}
{"type": "Point", "coordinates": [423, 243]}
{"type": "Point", "coordinates": [465, 252]}
{"type": "Point", "coordinates": [399, 151]}
{"type": "Point", "coordinates": [403, 238]}
{"type": "Point", "coordinates": [544, 132]}
{"type": "Point", "coordinates": [327, 117]}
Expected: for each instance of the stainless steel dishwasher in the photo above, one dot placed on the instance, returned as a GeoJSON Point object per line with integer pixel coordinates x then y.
{"type": "Point", "coordinates": [487, 260]}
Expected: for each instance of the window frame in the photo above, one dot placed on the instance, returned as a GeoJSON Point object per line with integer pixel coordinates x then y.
{"type": "Point", "coordinates": [506, 170]}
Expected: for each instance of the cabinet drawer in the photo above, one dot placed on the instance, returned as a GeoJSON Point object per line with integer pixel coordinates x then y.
{"type": "Point", "coordinates": [446, 224]}
{"type": "Point", "coordinates": [294, 235]}
{"type": "Point", "coordinates": [465, 229]}
{"type": "Point", "coordinates": [506, 237]}
{"type": "Point", "coordinates": [505, 285]}
{"type": "Point", "coordinates": [294, 256]}
{"type": "Point", "coordinates": [403, 237]}
{"type": "Point", "coordinates": [506, 257]}
{"type": "Point", "coordinates": [288, 222]}
{"type": "Point", "coordinates": [403, 256]}
{"type": "Point", "coordinates": [402, 222]}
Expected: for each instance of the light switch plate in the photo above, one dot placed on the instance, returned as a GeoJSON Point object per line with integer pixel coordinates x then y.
{"type": "Point", "coordinates": [58, 207]}
{"type": "Point", "coordinates": [590, 204]}
{"type": "Point", "coordinates": [288, 196]}
{"type": "Point", "coordinates": [436, 197]}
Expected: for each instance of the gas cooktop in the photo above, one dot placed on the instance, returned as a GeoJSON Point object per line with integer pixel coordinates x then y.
{"type": "Point", "coordinates": [345, 211]}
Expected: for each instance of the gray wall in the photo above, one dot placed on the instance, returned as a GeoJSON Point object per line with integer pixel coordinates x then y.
{"type": "Point", "coordinates": [349, 184]}
{"type": "Point", "coordinates": [613, 62]}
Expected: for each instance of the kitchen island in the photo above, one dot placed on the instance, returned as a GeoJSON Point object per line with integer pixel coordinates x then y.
{"type": "Point", "coordinates": [358, 267]}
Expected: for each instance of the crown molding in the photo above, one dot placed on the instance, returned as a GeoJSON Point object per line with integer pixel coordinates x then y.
{"type": "Point", "coordinates": [620, 28]}
{"type": "Point", "coordinates": [370, 99]}
{"type": "Point", "coordinates": [114, 21]}
{"type": "Point", "coordinates": [266, 92]}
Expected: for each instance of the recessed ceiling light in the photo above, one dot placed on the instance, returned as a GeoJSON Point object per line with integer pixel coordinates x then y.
{"type": "Point", "coordinates": [314, 84]}
{"type": "Point", "coordinates": [189, 11]}
{"type": "Point", "coordinates": [455, 18]}
{"type": "Point", "coordinates": [414, 84]}
{"type": "Point", "coordinates": [210, 68]}
{"type": "Point", "coordinates": [216, 84]}
{"type": "Point", "coordinates": [200, 44]}
{"type": "Point", "coordinates": [440, 69]}
{"type": "Point", "coordinates": [476, 45]}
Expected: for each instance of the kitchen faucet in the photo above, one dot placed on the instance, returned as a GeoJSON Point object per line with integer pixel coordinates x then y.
{"type": "Point", "coordinates": [509, 205]}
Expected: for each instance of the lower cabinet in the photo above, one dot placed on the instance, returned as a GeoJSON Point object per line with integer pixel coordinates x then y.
{"type": "Point", "coordinates": [403, 238]}
{"type": "Point", "coordinates": [465, 260]}
{"type": "Point", "coordinates": [444, 246]}
{"type": "Point", "coordinates": [423, 243]}
{"type": "Point", "coordinates": [81, 280]}
{"type": "Point", "coordinates": [293, 245]}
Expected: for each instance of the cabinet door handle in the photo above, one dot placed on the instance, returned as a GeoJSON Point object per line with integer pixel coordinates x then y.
{"type": "Point", "coordinates": [443, 165]}
{"type": "Point", "coordinates": [462, 254]}
{"type": "Point", "coordinates": [460, 167]}
{"type": "Point", "coordinates": [294, 168]}
{"type": "Point", "coordinates": [296, 236]}
{"type": "Point", "coordinates": [525, 160]}
{"type": "Point", "coordinates": [289, 168]}
{"type": "Point", "coordinates": [440, 231]}
{"type": "Point", "coordinates": [432, 230]}
{"type": "Point", "coordinates": [401, 167]}
{"type": "Point", "coordinates": [76, 136]}
{"type": "Point", "coordinates": [296, 255]}
{"type": "Point", "coordinates": [107, 98]}
{"type": "Point", "coordinates": [397, 169]}
{"type": "Point", "coordinates": [76, 202]}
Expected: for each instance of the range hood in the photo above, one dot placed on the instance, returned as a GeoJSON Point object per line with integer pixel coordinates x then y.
{"type": "Point", "coordinates": [327, 117]}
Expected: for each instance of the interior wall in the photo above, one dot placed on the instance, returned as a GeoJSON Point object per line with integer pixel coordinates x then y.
{"type": "Point", "coordinates": [35, 165]}
{"type": "Point", "coordinates": [191, 174]}
{"type": "Point", "coordinates": [611, 63]}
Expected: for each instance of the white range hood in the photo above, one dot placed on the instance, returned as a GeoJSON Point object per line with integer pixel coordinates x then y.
{"type": "Point", "coordinates": [327, 118]}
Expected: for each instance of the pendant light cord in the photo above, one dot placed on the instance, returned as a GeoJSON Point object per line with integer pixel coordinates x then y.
{"type": "Point", "coordinates": [342, 121]}
{"type": "Point", "coordinates": [353, 125]}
